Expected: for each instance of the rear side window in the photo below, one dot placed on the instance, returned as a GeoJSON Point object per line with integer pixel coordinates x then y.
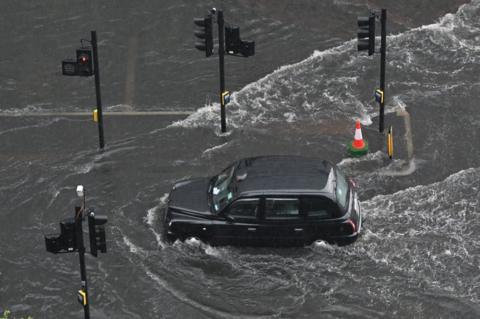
{"type": "Point", "coordinates": [342, 189]}
{"type": "Point", "coordinates": [244, 208]}
{"type": "Point", "coordinates": [319, 208]}
{"type": "Point", "coordinates": [281, 208]}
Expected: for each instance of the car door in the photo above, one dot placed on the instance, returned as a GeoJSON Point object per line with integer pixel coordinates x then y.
{"type": "Point", "coordinates": [320, 213]}
{"type": "Point", "coordinates": [282, 222]}
{"type": "Point", "coordinates": [238, 223]}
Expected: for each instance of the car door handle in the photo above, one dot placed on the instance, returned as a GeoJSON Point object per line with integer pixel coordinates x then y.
{"type": "Point", "coordinates": [298, 229]}
{"type": "Point", "coordinates": [251, 229]}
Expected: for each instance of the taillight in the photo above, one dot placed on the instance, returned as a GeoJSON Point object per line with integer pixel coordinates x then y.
{"type": "Point", "coordinates": [352, 225]}
{"type": "Point", "coordinates": [348, 228]}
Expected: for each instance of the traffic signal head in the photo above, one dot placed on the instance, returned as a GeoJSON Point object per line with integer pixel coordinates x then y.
{"type": "Point", "coordinates": [366, 33]}
{"type": "Point", "coordinates": [66, 241]}
{"type": "Point", "coordinates": [84, 62]}
{"type": "Point", "coordinates": [96, 232]}
{"type": "Point", "coordinates": [69, 67]}
{"type": "Point", "coordinates": [205, 34]}
{"type": "Point", "coordinates": [234, 45]}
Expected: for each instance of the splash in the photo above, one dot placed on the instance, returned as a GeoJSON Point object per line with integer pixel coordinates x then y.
{"type": "Point", "coordinates": [151, 218]}
{"type": "Point", "coordinates": [326, 85]}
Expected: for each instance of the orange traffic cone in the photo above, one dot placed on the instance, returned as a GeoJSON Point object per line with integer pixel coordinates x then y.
{"type": "Point", "coordinates": [358, 147]}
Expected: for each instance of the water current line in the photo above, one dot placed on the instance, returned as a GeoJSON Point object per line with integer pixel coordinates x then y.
{"type": "Point", "coordinates": [74, 114]}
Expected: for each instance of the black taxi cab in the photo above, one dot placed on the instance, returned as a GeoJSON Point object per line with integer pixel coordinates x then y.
{"type": "Point", "coordinates": [266, 201]}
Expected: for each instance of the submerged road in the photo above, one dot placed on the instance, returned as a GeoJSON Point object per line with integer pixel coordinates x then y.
{"type": "Point", "coordinates": [300, 94]}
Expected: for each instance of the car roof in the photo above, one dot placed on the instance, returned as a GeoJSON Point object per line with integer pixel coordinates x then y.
{"type": "Point", "coordinates": [284, 174]}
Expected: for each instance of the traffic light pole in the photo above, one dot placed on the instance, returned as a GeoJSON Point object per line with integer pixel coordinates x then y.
{"type": "Point", "coordinates": [97, 88]}
{"type": "Point", "coordinates": [383, 49]}
{"type": "Point", "coordinates": [221, 55]}
{"type": "Point", "coordinates": [81, 254]}
{"type": "Point", "coordinates": [71, 240]}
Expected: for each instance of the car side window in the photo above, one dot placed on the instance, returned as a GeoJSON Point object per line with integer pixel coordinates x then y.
{"type": "Point", "coordinates": [319, 208]}
{"type": "Point", "coordinates": [244, 208]}
{"type": "Point", "coordinates": [282, 208]}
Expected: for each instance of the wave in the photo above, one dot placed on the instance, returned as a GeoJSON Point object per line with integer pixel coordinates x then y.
{"type": "Point", "coordinates": [330, 84]}
{"type": "Point", "coordinates": [457, 186]}
{"type": "Point", "coordinates": [41, 124]}
{"type": "Point", "coordinates": [151, 219]}
{"type": "Point", "coordinates": [427, 234]}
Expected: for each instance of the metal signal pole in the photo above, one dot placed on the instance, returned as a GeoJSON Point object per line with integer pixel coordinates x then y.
{"type": "Point", "coordinates": [81, 254]}
{"type": "Point", "coordinates": [221, 54]}
{"type": "Point", "coordinates": [97, 88]}
{"type": "Point", "coordinates": [71, 240]}
{"type": "Point", "coordinates": [383, 49]}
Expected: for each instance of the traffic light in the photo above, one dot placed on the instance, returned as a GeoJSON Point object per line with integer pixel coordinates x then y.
{"type": "Point", "coordinates": [69, 67]}
{"type": "Point", "coordinates": [96, 232]}
{"type": "Point", "coordinates": [234, 45]}
{"type": "Point", "coordinates": [66, 241]}
{"type": "Point", "coordinates": [85, 62]}
{"type": "Point", "coordinates": [205, 33]}
{"type": "Point", "coordinates": [366, 33]}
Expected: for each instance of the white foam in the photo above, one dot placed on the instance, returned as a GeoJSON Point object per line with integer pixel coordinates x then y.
{"type": "Point", "coordinates": [120, 108]}
{"type": "Point", "coordinates": [37, 108]}
{"type": "Point", "coordinates": [164, 198]}
{"type": "Point", "coordinates": [376, 157]}
{"type": "Point", "coordinates": [85, 168]}
{"type": "Point", "coordinates": [174, 292]}
{"type": "Point", "coordinates": [393, 170]}
{"type": "Point", "coordinates": [37, 125]}
{"type": "Point", "coordinates": [54, 197]}
{"type": "Point", "coordinates": [194, 242]}
{"type": "Point", "coordinates": [151, 218]}
{"type": "Point", "coordinates": [247, 110]}
{"type": "Point", "coordinates": [132, 247]}
{"type": "Point", "coordinates": [398, 103]}
{"type": "Point", "coordinates": [214, 148]}
{"type": "Point", "coordinates": [212, 251]}
{"type": "Point", "coordinates": [320, 244]}
{"type": "Point", "coordinates": [182, 297]}
{"type": "Point", "coordinates": [290, 116]}
{"type": "Point", "coordinates": [455, 179]}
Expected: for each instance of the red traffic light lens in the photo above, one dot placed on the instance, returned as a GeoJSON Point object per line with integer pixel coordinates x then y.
{"type": "Point", "coordinates": [83, 59]}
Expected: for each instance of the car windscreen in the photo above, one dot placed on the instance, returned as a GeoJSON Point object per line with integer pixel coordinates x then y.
{"type": "Point", "coordinates": [222, 193]}
{"type": "Point", "coordinates": [341, 189]}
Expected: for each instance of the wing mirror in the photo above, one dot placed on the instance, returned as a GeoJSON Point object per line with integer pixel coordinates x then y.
{"type": "Point", "coordinates": [229, 219]}
{"type": "Point", "coordinates": [240, 176]}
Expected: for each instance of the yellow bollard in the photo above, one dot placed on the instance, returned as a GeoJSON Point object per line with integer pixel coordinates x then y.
{"type": "Point", "coordinates": [390, 142]}
{"type": "Point", "coordinates": [95, 115]}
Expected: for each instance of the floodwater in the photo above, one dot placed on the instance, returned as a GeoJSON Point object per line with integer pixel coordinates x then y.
{"type": "Point", "coordinates": [419, 256]}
